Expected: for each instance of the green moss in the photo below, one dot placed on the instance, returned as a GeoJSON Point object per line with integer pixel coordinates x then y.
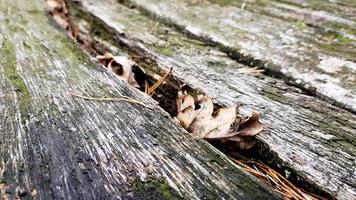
{"type": "Point", "coordinates": [300, 24]}
{"type": "Point", "coordinates": [226, 2]}
{"type": "Point", "coordinates": [166, 50]}
{"type": "Point", "coordinates": [331, 35]}
{"type": "Point", "coordinates": [273, 94]}
{"type": "Point", "coordinates": [8, 62]}
{"type": "Point", "coordinates": [155, 188]}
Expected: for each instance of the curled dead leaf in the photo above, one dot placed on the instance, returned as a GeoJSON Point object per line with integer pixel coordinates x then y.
{"type": "Point", "coordinates": [197, 116]}
{"type": "Point", "coordinates": [121, 66]}
{"type": "Point", "coordinates": [34, 192]}
{"type": "Point", "coordinates": [186, 109]}
{"type": "Point", "coordinates": [205, 125]}
{"type": "Point", "coordinates": [62, 21]}
{"type": "Point", "coordinates": [105, 59]}
{"type": "Point", "coordinates": [58, 10]}
{"type": "Point", "coordinates": [250, 126]}
{"type": "Point", "coordinates": [244, 134]}
{"type": "Point", "coordinates": [52, 5]}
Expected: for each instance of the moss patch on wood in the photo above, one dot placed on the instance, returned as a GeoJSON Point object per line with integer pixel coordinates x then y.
{"type": "Point", "coordinates": [9, 64]}
{"type": "Point", "coordinates": [155, 188]}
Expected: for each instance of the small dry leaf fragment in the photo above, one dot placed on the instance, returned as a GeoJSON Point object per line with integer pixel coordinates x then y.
{"type": "Point", "coordinates": [205, 125]}
{"type": "Point", "coordinates": [52, 5]}
{"type": "Point", "coordinates": [184, 101]}
{"type": "Point", "coordinates": [61, 21]}
{"type": "Point", "coordinates": [186, 109]}
{"type": "Point", "coordinates": [58, 9]}
{"type": "Point", "coordinates": [196, 115]}
{"type": "Point", "coordinates": [251, 126]}
{"type": "Point", "coordinates": [105, 59]}
{"type": "Point", "coordinates": [200, 121]}
{"type": "Point", "coordinates": [245, 132]}
{"type": "Point", "coordinates": [121, 66]}
{"type": "Point", "coordinates": [34, 192]}
{"type": "Point", "coordinates": [246, 143]}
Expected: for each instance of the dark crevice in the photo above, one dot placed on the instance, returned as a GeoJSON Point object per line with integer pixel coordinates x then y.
{"type": "Point", "coordinates": [147, 69]}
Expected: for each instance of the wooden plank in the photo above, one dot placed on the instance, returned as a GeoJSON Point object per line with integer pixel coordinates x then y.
{"type": "Point", "coordinates": [56, 146]}
{"type": "Point", "coordinates": [343, 8]}
{"type": "Point", "coordinates": [329, 16]}
{"type": "Point", "coordinates": [321, 63]}
{"type": "Point", "coordinates": [305, 134]}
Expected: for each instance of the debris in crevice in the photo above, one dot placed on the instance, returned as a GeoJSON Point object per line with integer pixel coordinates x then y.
{"type": "Point", "coordinates": [225, 124]}
{"type": "Point", "coordinates": [269, 176]}
{"type": "Point", "coordinates": [237, 132]}
{"type": "Point", "coordinates": [265, 67]}
{"type": "Point", "coordinates": [151, 90]}
{"type": "Point", "coordinates": [121, 65]}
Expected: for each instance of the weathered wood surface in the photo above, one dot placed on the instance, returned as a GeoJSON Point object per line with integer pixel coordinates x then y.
{"type": "Point", "coordinates": [312, 137]}
{"type": "Point", "coordinates": [322, 63]}
{"type": "Point", "coordinates": [56, 146]}
{"type": "Point", "coordinates": [333, 16]}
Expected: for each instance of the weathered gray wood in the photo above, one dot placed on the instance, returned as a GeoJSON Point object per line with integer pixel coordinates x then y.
{"type": "Point", "coordinates": [327, 15]}
{"type": "Point", "coordinates": [310, 136]}
{"type": "Point", "coordinates": [56, 146]}
{"type": "Point", "coordinates": [341, 8]}
{"type": "Point", "coordinates": [322, 63]}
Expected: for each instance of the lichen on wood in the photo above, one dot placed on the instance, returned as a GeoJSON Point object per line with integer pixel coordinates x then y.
{"type": "Point", "coordinates": [302, 130]}
{"type": "Point", "coordinates": [248, 37]}
{"type": "Point", "coordinates": [73, 148]}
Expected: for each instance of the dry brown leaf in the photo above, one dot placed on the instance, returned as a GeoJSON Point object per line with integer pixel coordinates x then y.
{"type": "Point", "coordinates": [219, 125]}
{"type": "Point", "coordinates": [52, 5]}
{"type": "Point", "coordinates": [196, 115]}
{"type": "Point", "coordinates": [200, 121]}
{"type": "Point", "coordinates": [59, 11]}
{"type": "Point", "coordinates": [245, 132]}
{"type": "Point", "coordinates": [121, 66]}
{"type": "Point", "coordinates": [105, 59]}
{"type": "Point", "coordinates": [184, 101]}
{"type": "Point", "coordinates": [62, 21]}
{"type": "Point", "coordinates": [186, 109]}
{"type": "Point", "coordinates": [251, 126]}
{"type": "Point", "coordinates": [34, 192]}
{"type": "Point", "coordinates": [124, 65]}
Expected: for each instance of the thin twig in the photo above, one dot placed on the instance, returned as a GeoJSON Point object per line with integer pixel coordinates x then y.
{"type": "Point", "coordinates": [158, 83]}
{"type": "Point", "coordinates": [121, 98]}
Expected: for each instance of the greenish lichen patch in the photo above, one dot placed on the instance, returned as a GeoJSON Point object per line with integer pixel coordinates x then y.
{"type": "Point", "coordinates": [166, 50]}
{"type": "Point", "coordinates": [9, 63]}
{"type": "Point", "coordinates": [155, 188]}
{"type": "Point", "coordinates": [226, 2]}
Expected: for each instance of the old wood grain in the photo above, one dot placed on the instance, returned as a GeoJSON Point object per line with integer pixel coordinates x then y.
{"type": "Point", "coordinates": [57, 146]}
{"type": "Point", "coordinates": [322, 63]}
{"type": "Point", "coordinates": [328, 16]}
{"type": "Point", "coordinates": [304, 133]}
